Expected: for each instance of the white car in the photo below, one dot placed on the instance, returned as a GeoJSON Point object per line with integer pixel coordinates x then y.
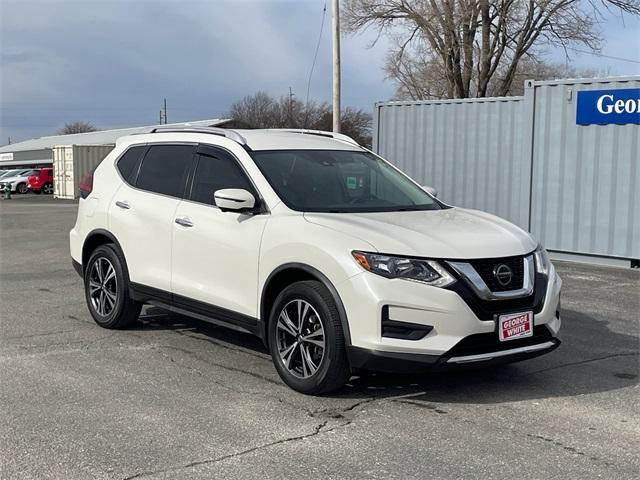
{"type": "Point", "coordinates": [10, 173]}
{"type": "Point", "coordinates": [331, 255]}
{"type": "Point", "coordinates": [17, 181]}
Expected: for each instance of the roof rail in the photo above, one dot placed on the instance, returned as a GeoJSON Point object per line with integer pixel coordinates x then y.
{"type": "Point", "coordinates": [222, 132]}
{"type": "Point", "coordinates": [320, 133]}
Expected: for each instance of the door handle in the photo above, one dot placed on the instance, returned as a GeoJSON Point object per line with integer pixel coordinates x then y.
{"type": "Point", "coordinates": [124, 205]}
{"type": "Point", "coordinates": [184, 221]}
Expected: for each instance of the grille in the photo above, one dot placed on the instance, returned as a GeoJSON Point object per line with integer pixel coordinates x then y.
{"type": "Point", "coordinates": [489, 342]}
{"type": "Point", "coordinates": [487, 309]}
{"type": "Point", "coordinates": [486, 267]}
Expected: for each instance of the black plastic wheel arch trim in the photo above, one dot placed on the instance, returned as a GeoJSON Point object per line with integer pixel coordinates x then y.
{"type": "Point", "coordinates": [264, 316]}
{"type": "Point", "coordinates": [77, 266]}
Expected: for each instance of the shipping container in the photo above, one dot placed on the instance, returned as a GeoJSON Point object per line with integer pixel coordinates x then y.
{"type": "Point", "coordinates": [71, 163]}
{"type": "Point", "coordinates": [470, 150]}
{"type": "Point", "coordinates": [585, 178]}
{"type": "Point", "coordinates": [566, 173]}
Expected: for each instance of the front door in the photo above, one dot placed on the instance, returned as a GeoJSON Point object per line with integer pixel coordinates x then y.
{"type": "Point", "coordinates": [215, 253]}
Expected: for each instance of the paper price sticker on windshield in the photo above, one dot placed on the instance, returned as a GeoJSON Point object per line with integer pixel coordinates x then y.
{"type": "Point", "coordinates": [515, 325]}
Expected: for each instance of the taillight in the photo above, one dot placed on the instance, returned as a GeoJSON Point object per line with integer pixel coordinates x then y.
{"type": "Point", "coordinates": [86, 185]}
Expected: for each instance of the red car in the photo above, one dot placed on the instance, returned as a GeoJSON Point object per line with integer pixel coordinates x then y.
{"type": "Point", "coordinates": [42, 182]}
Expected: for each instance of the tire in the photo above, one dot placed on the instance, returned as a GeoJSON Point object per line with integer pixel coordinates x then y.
{"type": "Point", "coordinates": [106, 286]}
{"type": "Point", "coordinates": [47, 188]}
{"type": "Point", "coordinates": [21, 188]}
{"type": "Point", "coordinates": [295, 349]}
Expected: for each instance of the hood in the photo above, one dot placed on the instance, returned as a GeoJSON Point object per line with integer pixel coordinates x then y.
{"type": "Point", "coordinates": [453, 233]}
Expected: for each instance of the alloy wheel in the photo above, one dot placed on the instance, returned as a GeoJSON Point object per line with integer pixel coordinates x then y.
{"type": "Point", "coordinates": [300, 338]}
{"type": "Point", "coordinates": [103, 286]}
{"type": "Point", "coordinates": [48, 189]}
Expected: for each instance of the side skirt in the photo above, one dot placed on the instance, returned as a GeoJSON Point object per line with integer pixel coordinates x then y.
{"type": "Point", "coordinates": [196, 309]}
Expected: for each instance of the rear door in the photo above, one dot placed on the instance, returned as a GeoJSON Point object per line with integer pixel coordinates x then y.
{"type": "Point", "coordinates": [215, 253]}
{"type": "Point", "coordinates": [142, 211]}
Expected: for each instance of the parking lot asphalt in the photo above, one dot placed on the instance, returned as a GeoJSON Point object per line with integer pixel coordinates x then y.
{"type": "Point", "coordinates": [179, 398]}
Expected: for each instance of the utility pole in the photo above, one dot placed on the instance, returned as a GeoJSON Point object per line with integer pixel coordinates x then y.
{"type": "Point", "coordinates": [160, 117]}
{"type": "Point", "coordinates": [291, 95]}
{"type": "Point", "coordinates": [336, 65]}
{"type": "Point", "coordinates": [9, 140]}
{"type": "Point", "coordinates": [165, 111]}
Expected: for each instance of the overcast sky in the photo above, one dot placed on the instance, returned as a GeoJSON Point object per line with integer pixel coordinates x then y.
{"type": "Point", "coordinates": [111, 62]}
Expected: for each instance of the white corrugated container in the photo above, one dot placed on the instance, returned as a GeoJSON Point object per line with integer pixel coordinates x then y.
{"type": "Point", "coordinates": [470, 150]}
{"type": "Point", "coordinates": [526, 159]}
{"type": "Point", "coordinates": [71, 163]}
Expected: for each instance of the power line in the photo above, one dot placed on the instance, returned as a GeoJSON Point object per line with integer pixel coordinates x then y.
{"type": "Point", "coordinates": [315, 56]}
{"type": "Point", "coordinates": [595, 54]}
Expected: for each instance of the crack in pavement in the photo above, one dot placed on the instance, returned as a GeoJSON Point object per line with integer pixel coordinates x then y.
{"type": "Point", "coordinates": [331, 413]}
{"type": "Point", "coordinates": [334, 413]}
{"type": "Point", "coordinates": [565, 448]}
{"type": "Point", "coordinates": [316, 430]}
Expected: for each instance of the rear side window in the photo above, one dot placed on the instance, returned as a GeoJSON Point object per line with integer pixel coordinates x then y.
{"type": "Point", "coordinates": [216, 173]}
{"type": "Point", "coordinates": [128, 163]}
{"type": "Point", "coordinates": [164, 169]}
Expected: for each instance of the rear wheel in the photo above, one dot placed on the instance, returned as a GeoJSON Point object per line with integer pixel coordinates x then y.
{"type": "Point", "coordinates": [106, 286]}
{"type": "Point", "coordinates": [47, 188]}
{"type": "Point", "coordinates": [21, 188]}
{"type": "Point", "coordinates": [306, 339]}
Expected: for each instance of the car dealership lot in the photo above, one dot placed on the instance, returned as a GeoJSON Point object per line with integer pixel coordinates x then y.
{"type": "Point", "coordinates": [179, 398]}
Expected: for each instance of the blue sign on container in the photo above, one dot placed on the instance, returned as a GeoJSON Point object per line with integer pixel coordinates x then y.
{"type": "Point", "coordinates": [603, 107]}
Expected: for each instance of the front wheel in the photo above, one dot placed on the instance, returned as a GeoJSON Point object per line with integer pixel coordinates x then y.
{"type": "Point", "coordinates": [47, 188]}
{"type": "Point", "coordinates": [107, 290]}
{"type": "Point", "coordinates": [21, 188]}
{"type": "Point", "coordinates": [306, 339]}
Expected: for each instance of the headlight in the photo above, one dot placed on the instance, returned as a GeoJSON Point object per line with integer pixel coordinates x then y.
{"type": "Point", "coordinates": [543, 264]}
{"type": "Point", "coordinates": [425, 271]}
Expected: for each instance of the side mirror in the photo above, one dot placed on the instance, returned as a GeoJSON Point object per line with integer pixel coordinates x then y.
{"type": "Point", "coordinates": [234, 199]}
{"type": "Point", "coordinates": [431, 191]}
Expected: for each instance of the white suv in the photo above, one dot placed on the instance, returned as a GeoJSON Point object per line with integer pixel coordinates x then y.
{"type": "Point", "coordinates": [331, 255]}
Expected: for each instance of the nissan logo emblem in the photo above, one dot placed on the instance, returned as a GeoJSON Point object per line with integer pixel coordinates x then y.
{"type": "Point", "coordinates": [503, 274]}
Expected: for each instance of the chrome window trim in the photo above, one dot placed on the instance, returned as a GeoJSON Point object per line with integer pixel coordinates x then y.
{"type": "Point", "coordinates": [466, 271]}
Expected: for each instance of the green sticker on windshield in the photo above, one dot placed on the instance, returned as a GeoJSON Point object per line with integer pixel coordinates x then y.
{"type": "Point", "coordinates": [352, 183]}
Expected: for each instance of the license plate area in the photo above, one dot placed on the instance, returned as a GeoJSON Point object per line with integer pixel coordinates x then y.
{"type": "Point", "coordinates": [515, 325]}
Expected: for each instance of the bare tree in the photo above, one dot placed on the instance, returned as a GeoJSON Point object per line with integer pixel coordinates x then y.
{"type": "Point", "coordinates": [476, 44]}
{"type": "Point", "coordinates": [263, 111]}
{"type": "Point", "coordinates": [77, 127]}
{"type": "Point", "coordinates": [256, 111]}
{"type": "Point", "coordinates": [427, 81]}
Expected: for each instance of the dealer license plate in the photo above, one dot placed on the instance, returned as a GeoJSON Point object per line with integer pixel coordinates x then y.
{"type": "Point", "coordinates": [515, 325]}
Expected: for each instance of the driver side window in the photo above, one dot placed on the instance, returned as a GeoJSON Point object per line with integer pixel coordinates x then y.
{"type": "Point", "coordinates": [215, 173]}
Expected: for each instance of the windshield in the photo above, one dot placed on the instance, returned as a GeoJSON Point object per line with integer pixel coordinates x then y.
{"type": "Point", "coordinates": [340, 181]}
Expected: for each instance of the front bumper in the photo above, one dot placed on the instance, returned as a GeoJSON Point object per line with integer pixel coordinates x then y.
{"type": "Point", "coordinates": [461, 332]}
{"type": "Point", "coordinates": [380, 361]}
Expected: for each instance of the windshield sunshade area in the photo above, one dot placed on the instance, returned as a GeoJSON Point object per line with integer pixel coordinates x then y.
{"type": "Point", "coordinates": [340, 181]}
